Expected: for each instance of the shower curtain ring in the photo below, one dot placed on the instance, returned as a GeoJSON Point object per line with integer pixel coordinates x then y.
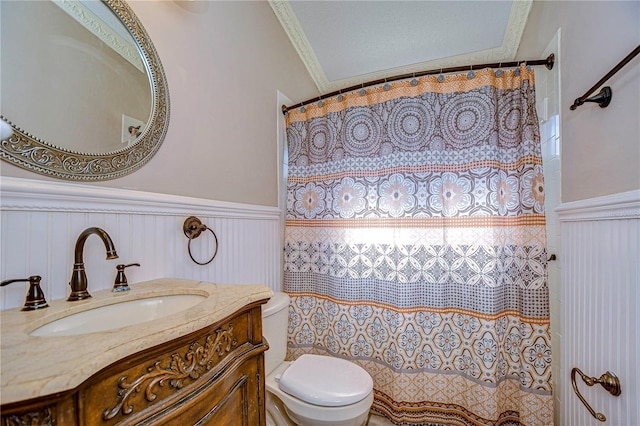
{"type": "Point", "coordinates": [471, 74]}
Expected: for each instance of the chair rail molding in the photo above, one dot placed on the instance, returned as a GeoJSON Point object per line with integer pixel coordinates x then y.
{"type": "Point", "coordinates": [37, 195]}
{"type": "Point", "coordinates": [624, 205]}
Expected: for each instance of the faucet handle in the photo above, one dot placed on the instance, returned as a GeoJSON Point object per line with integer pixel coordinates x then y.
{"type": "Point", "coordinates": [121, 279]}
{"type": "Point", "coordinates": [35, 296]}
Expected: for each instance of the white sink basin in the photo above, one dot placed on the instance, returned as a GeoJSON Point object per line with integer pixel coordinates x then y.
{"type": "Point", "coordinates": [118, 315]}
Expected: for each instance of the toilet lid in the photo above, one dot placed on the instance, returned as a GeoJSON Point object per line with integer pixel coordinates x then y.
{"type": "Point", "coordinates": [326, 381]}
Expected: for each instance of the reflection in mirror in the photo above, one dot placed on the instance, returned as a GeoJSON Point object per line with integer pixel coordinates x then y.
{"type": "Point", "coordinates": [85, 78]}
{"type": "Point", "coordinates": [70, 41]}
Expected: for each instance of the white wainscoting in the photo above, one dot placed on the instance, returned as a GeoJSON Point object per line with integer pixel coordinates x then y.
{"type": "Point", "coordinates": [41, 220]}
{"type": "Point", "coordinates": [601, 305]}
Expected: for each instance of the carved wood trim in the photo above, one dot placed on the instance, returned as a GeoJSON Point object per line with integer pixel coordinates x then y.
{"type": "Point", "coordinates": [41, 417]}
{"type": "Point", "coordinates": [198, 359]}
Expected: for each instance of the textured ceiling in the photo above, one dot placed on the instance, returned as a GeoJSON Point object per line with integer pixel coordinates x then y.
{"type": "Point", "coordinates": [345, 43]}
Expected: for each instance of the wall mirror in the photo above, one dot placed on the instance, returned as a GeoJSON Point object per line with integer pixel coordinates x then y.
{"type": "Point", "coordinates": [83, 89]}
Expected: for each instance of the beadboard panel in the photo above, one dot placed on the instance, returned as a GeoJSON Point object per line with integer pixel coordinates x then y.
{"type": "Point", "coordinates": [601, 301]}
{"type": "Point", "coordinates": [41, 220]}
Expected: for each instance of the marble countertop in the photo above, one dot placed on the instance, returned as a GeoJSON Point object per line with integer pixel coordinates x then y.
{"type": "Point", "coordinates": [32, 366]}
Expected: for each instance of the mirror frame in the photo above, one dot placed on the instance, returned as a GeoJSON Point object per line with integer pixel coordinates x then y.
{"type": "Point", "coordinates": [29, 152]}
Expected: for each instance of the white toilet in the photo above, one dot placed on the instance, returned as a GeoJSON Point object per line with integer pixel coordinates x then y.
{"type": "Point", "coordinates": [313, 390]}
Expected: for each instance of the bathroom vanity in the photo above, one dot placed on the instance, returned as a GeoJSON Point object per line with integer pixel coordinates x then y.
{"type": "Point", "coordinates": [201, 365]}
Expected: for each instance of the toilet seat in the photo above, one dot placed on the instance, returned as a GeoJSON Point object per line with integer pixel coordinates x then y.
{"type": "Point", "coordinates": [326, 381]}
{"type": "Point", "coordinates": [305, 412]}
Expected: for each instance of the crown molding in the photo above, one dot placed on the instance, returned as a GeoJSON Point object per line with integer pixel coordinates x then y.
{"type": "Point", "coordinates": [294, 31]}
{"type": "Point", "coordinates": [96, 26]}
{"type": "Point", "coordinates": [506, 52]}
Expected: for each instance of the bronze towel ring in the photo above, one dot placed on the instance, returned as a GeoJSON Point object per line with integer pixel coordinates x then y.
{"type": "Point", "coordinates": [192, 228]}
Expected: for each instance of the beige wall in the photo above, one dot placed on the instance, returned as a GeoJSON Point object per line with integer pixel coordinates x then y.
{"type": "Point", "coordinates": [224, 63]}
{"type": "Point", "coordinates": [600, 148]}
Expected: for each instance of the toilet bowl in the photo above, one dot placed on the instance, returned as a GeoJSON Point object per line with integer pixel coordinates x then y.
{"type": "Point", "coordinates": [313, 390]}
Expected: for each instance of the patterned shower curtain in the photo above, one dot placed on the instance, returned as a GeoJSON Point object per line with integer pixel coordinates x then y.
{"type": "Point", "coordinates": [415, 246]}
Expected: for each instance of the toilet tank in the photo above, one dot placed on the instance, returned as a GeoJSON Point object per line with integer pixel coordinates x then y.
{"type": "Point", "coordinates": [275, 317]}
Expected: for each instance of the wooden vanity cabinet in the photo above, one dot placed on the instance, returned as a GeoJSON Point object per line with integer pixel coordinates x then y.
{"type": "Point", "coordinates": [213, 376]}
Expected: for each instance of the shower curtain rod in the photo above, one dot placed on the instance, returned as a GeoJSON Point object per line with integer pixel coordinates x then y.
{"type": "Point", "coordinates": [548, 63]}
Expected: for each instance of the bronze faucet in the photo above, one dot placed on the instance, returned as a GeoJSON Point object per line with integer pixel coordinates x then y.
{"type": "Point", "coordinates": [78, 281]}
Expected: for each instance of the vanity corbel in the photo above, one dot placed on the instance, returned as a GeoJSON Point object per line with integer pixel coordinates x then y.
{"type": "Point", "coordinates": [211, 376]}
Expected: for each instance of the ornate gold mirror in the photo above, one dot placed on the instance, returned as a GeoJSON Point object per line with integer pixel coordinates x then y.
{"type": "Point", "coordinates": [83, 89]}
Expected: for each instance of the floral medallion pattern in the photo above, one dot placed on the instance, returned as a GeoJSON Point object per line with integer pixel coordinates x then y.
{"type": "Point", "coordinates": [415, 247]}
